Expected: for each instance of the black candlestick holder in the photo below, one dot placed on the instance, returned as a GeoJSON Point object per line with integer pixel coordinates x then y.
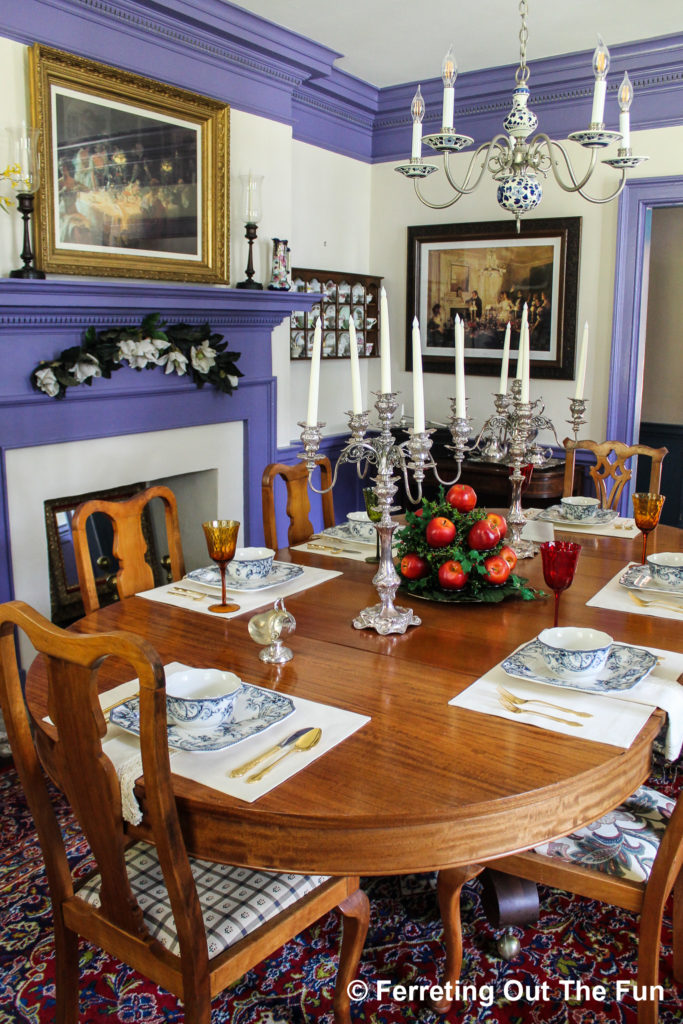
{"type": "Point", "coordinates": [25, 204]}
{"type": "Point", "coordinates": [250, 235]}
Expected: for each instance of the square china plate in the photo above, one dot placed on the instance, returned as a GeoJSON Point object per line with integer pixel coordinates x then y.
{"type": "Point", "coordinates": [601, 517]}
{"type": "Point", "coordinates": [625, 667]}
{"type": "Point", "coordinates": [210, 576]}
{"type": "Point", "coordinates": [639, 577]}
{"type": "Point", "coordinates": [255, 710]}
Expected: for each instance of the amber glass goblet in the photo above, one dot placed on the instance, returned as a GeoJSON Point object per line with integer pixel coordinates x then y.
{"type": "Point", "coordinates": [374, 515]}
{"type": "Point", "coordinates": [559, 566]}
{"type": "Point", "coordinates": [221, 540]}
{"type": "Point", "coordinates": [647, 509]}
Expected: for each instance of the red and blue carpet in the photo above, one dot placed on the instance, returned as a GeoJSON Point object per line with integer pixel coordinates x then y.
{"type": "Point", "coordinates": [575, 943]}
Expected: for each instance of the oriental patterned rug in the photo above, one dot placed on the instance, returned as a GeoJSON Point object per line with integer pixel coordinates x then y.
{"type": "Point", "coordinates": [576, 947]}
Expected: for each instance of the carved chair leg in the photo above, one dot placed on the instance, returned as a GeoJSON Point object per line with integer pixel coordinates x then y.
{"type": "Point", "coordinates": [355, 912]}
{"type": "Point", "coordinates": [449, 886]}
{"type": "Point", "coordinates": [66, 973]}
{"type": "Point", "coordinates": [678, 928]}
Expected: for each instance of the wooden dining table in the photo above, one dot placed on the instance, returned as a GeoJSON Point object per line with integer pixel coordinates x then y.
{"type": "Point", "coordinates": [422, 785]}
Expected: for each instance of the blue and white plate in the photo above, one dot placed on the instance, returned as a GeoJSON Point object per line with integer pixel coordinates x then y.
{"type": "Point", "coordinates": [601, 517]}
{"type": "Point", "coordinates": [344, 532]}
{"type": "Point", "coordinates": [625, 666]}
{"type": "Point", "coordinates": [640, 579]}
{"type": "Point", "coordinates": [255, 710]}
{"type": "Point", "coordinates": [210, 576]}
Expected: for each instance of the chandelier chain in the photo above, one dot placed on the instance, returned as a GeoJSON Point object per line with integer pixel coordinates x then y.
{"type": "Point", "coordinates": [522, 73]}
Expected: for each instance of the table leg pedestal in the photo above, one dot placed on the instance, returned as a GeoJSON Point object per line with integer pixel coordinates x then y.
{"type": "Point", "coordinates": [508, 900]}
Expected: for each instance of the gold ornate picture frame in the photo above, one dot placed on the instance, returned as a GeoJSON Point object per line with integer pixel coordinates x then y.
{"type": "Point", "coordinates": [135, 174]}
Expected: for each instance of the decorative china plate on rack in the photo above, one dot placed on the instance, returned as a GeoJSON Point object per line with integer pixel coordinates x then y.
{"type": "Point", "coordinates": [625, 667]}
{"type": "Point", "coordinates": [255, 710]}
{"type": "Point", "coordinates": [640, 579]}
{"type": "Point", "coordinates": [601, 517]}
{"type": "Point", "coordinates": [210, 576]}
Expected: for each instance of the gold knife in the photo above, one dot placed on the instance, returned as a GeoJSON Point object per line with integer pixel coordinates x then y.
{"type": "Point", "coordinates": [244, 768]}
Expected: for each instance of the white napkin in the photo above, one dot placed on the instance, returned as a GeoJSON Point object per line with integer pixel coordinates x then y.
{"type": "Point", "coordinates": [617, 598]}
{"type": "Point", "coordinates": [248, 600]}
{"type": "Point", "coordinates": [616, 723]}
{"type": "Point", "coordinates": [212, 768]}
{"type": "Point", "coordinates": [661, 688]}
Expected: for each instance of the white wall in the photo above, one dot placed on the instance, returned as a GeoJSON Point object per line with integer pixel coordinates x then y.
{"type": "Point", "coordinates": [663, 370]}
{"type": "Point", "coordinates": [395, 206]}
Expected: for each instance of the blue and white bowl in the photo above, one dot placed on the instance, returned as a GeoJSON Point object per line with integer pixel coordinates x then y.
{"type": "Point", "coordinates": [667, 567]}
{"type": "Point", "coordinates": [579, 507]}
{"type": "Point", "coordinates": [251, 563]}
{"type": "Point", "coordinates": [574, 651]}
{"type": "Point", "coordinates": [361, 526]}
{"type": "Point", "coordinates": [201, 697]}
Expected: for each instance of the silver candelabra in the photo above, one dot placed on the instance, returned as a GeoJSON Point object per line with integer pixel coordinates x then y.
{"type": "Point", "coordinates": [389, 458]}
{"type": "Point", "coordinates": [577, 408]}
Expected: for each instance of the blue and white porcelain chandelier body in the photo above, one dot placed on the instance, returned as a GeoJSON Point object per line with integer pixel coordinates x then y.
{"type": "Point", "coordinates": [516, 164]}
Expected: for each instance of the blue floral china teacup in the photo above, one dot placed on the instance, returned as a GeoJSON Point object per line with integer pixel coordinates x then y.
{"type": "Point", "coordinates": [573, 651]}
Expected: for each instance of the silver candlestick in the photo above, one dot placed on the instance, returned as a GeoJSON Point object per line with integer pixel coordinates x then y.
{"type": "Point", "coordinates": [577, 408]}
{"type": "Point", "coordinates": [520, 422]}
{"type": "Point", "coordinates": [388, 457]}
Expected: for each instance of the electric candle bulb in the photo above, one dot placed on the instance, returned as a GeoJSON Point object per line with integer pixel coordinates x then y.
{"type": "Point", "coordinates": [449, 72]}
{"type": "Point", "coordinates": [625, 101]}
{"type": "Point", "coordinates": [600, 67]}
{"type": "Point", "coordinates": [417, 110]}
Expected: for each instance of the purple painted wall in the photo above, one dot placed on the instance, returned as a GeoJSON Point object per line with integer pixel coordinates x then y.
{"type": "Point", "coordinates": [40, 318]}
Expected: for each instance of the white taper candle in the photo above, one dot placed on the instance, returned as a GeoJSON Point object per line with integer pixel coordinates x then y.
{"type": "Point", "coordinates": [460, 400]}
{"type": "Point", "coordinates": [503, 386]}
{"type": "Point", "coordinates": [418, 388]}
{"type": "Point", "coordinates": [583, 361]}
{"type": "Point", "coordinates": [356, 395]}
{"type": "Point", "coordinates": [314, 380]}
{"type": "Point", "coordinates": [384, 345]}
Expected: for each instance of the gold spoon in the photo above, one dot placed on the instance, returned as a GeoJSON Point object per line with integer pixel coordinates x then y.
{"type": "Point", "coordinates": [306, 742]}
{"type": "Point", "coordinates": [537, 700]}
{"type": "Point", "coordinates": [509, 706]}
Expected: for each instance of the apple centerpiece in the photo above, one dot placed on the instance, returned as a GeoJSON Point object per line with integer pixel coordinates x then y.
{"type": "Point", "coordinates": [450, 550]}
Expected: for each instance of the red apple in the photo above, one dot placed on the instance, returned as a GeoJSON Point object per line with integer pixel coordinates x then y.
{"type": "Point", "coordinates": [499, 521]}
{"type": "Point", "coordinates": [510, 556]}
{"type": "Point", "coordinates": [413, 567]}
{"type": "Point", "coordinates": [462, 497]}
{"type": "Point", "coordinates": [440, 532]}
{"type": "Point", "coordinates": [497, 569]}
{"type": "Point", "coordinates": [483, 536]}
{"type": "Point", "coordinates": [452, 576]}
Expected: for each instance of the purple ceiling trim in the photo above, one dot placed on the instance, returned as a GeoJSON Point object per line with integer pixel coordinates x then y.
{"type": "Point", "coordinates": [40, 318]}
{"type": "Point", "coordinates": [212, 47]}
{"type": "Point", "coordinates": [630, 305]}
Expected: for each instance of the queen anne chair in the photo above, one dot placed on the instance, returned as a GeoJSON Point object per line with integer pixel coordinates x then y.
{"type": "Point", "coordinates": [632, 857]}
{"type": "Point", "coordinates": [129, 547]}
{"type": "Point", "coordinates": [193, 927]}
{"type": "Point", "coordinates": [298, 503]}
{"type": "Point", "coordinates": [611, 458]}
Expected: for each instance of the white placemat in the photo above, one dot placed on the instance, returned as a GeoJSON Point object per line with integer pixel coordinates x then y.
{"type": "Point", "coordinates": [213, 768]}
{"type": "Point", "coordinates": [248, 600]}
{"type": "Point", "coordinates": [617, 528]}
{"type": "Point", "coordinates": [614, 722]}
{"type": "Point", "coordinates": [618, 598]}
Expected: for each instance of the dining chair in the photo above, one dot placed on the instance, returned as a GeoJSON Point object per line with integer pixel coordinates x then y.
{"type": "Point", "coordinates": [193, 927]}
{"type": "Point", "coordinates": [298, 506]}
{"type": "Point", "coordinates": [129, 545]}
{"type": "Point", "coordinates": [611, 458]}
{"type": "Point", "coordinates": [632, 858]}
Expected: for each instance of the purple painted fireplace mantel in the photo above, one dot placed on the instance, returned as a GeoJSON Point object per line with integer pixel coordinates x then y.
{"type": "Point", "coordinates": [38, 319]}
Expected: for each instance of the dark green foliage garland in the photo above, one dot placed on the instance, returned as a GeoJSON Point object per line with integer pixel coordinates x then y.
{"type": "Point", "coordinates": [197, 352]}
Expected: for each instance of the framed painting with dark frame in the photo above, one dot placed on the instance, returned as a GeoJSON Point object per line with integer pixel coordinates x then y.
{"type": "Point", "coordinates": [135, 175]}
{"type": "Point", "coordinates": [484, 273]}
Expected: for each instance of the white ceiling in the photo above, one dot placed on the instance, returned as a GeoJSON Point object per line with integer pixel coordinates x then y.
{"type": "Point", "coordinates": [387, 42]}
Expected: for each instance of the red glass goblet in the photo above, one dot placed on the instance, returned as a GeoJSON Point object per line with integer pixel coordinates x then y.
{"type": "Point", "coordinates": [559, 565]}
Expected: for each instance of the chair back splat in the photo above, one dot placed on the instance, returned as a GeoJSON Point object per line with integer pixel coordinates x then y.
{"type": "Point", "coordinates": [610, 466]}
{"type": "Point", "coordinates": [129, 546]}
{"type": "Point", "coordinates": [145, 901]}
{"type": "Point", "coordinates": [298, 501]}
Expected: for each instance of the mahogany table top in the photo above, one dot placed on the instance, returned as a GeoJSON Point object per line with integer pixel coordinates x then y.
{"type": "Point", "coordinates": [423, 785]}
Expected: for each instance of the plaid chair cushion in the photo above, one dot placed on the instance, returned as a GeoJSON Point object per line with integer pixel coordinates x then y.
{"type": "Point", "coordinates": [623, 842]}
{"type": "Point", "coordinates": [234, 901]}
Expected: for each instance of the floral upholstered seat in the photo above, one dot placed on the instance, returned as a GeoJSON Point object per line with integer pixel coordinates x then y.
{"type": "Point", "coordinates": [623, 842]}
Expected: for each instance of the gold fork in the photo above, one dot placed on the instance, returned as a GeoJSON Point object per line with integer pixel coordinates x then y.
{"type": "Point", "coordinates": [509, 706]}
{"type": "Point", "coordinates": [537, 700]}
{"type": "Point", "coordinates": [193, 595]}
{"type": "Point", "coordinates": [657, 602]}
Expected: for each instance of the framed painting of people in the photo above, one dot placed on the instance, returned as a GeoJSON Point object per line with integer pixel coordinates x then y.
{"type": "Point", "coordinates": [134, 173]}
{"type": "Point", "coordinates": [485, 273]}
